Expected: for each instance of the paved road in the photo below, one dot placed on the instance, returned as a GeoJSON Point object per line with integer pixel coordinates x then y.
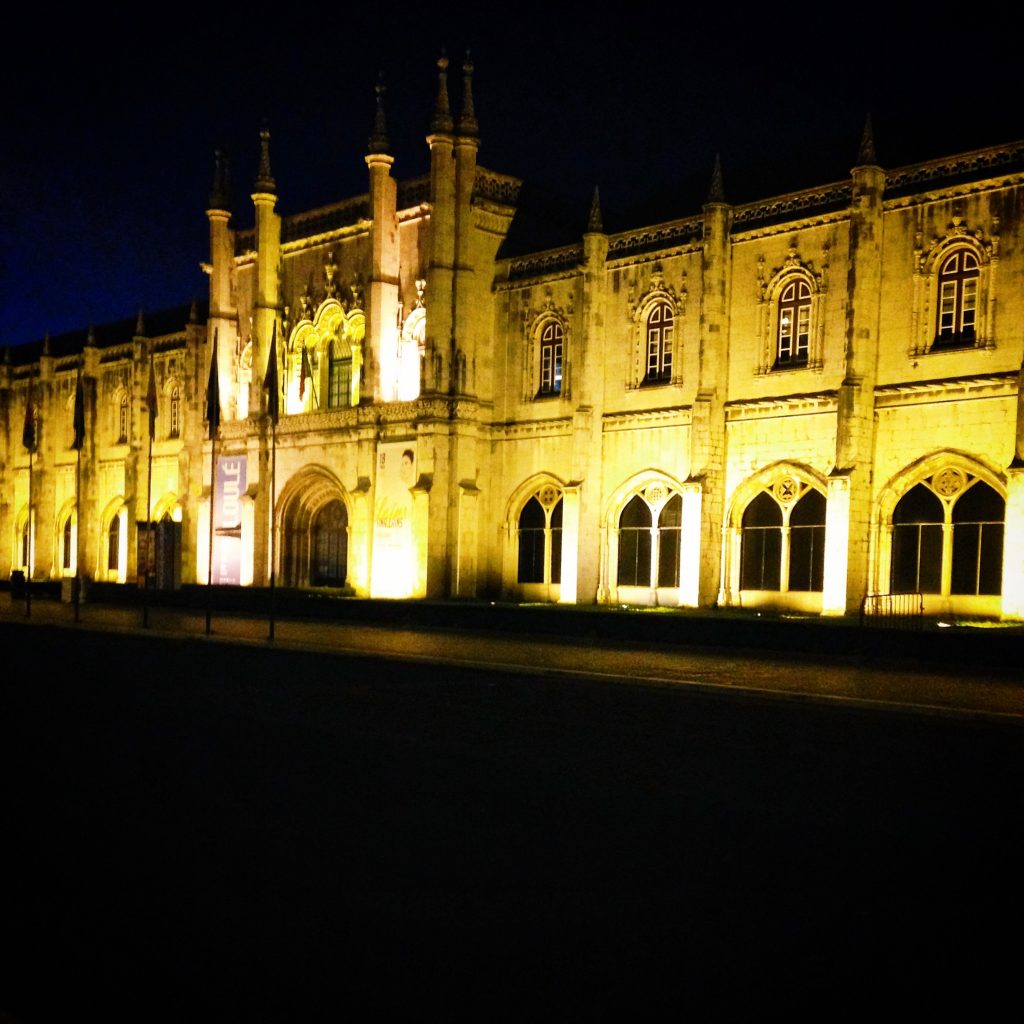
{"type": "Point", "coordinates": [983, 693]}
{"type": "Point", "coordinates": [203, 831]}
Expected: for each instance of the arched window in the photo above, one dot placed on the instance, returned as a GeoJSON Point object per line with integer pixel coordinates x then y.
{"type": "Point", "coordinates": [947, 537]}
{"type": "Point", "coordinates": [760, 559]}
{"type": "Point", "coordinates": [649, 538]}
{"type": "Point", "coordinates": [540, 538]}
{"type": "Point", "coordinates": [26, 543]}
{"type": "Point", "coordinates": [807, 542]}
{"type": "Point", "coordinates": [329, 563]}
{"type": "Point", "coordinates": [551, 341]}
{"type": "Point", "coordinates": [958, 300]}
{"type": "Point", "coordinates": [794, 330]}
{"type": "Point", "coordinates": [67, 546]}
{"type": "Point", "coordinates": [339, 385]}
{"type": "Point", "coordinates": [670, 521]}
{"type": "Point", "coordinates": [660, 322]}
{"type": "Point", "coordinates": [978, 519]}
{"type": "Point", "coordinates": [174, 412]}
{"type": "Point", "coordinates": [114, 545]}
{"type": "Point", "coordinates": [122, 419]}
{"type": "Point", "coordinates": [917, 542]}
{"type": "Point", "coordinates": [783, 539]}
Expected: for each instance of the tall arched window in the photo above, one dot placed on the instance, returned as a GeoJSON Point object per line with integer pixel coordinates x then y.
{"type": "Point", "coordinates": [329, 562]}
{"type": "Point", "coordinates": [114, 545]}
{"type": "Point", "coordinates": [794, 331]}
{"type": "Point", "coordinates": [540, 538]}
{"type": "Point", "coordinates": [174, 412]}
{"type": "Point", "coordinates": [807, 542]}
{"type": "Point", "coordinates": [660, 326]}
{"type": "Point", "coordinates": [122, 419]}
{"type": "Point", "coordinates": [978, 519]}
{"type": "Point", "coordinates": [26, 543]}
{"type": "Point", "coordinates": [760, 559]}
{"type": "Point", "coordinates": [67, 546]}
{"type": "Point", "coordinates": [339, 384]}
{"type": "Point", "coordinates": [670, 521]}
{"type": "Point", "coordinates": [917, 542]}
{"type": "Point", "coordinates": [958, 300]}
{"type": "Point", "coordinates": [551, 342]}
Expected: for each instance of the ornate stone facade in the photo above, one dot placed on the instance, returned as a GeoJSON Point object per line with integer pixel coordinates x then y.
{"type": "Point", "coordinates": [792, 403]}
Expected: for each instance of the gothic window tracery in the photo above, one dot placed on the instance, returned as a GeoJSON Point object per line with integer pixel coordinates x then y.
{"type": "Point", "coordinates": [539, 535]}
{"type": "Point", "coordinates": [649, 539]}
{"type": "Point", "coordinates": [947, 536]}
{"type": "Point", "coordinates": [783, 538]}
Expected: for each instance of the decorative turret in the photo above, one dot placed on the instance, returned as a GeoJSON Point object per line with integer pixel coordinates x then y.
{"type": "Point", "coordinates": [379, 137]}
{"type": "Point", "coordinates": [716, 193]}
{"type": "Point", "coordinates": [442, 122]}
{"type": "Point", "coordinates": [220, 193]}
{"type": "Point", "coordinates": [467, 119]}
{"type": "Point", "coordinates": [595, 225]}
{"type": "Point", "coordinates": [866, 156]}
{"type": "Point", "coordinates": [264, 178]}
{"type": "Point", "coordinates": [140, 325]}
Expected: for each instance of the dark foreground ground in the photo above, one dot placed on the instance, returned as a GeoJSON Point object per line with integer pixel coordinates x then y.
{"type": "Point", "coordinates": [199, 831]}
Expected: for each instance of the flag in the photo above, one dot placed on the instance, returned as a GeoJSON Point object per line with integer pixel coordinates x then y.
{"type": "Point", "coordinates": [151, 399]}
{"type": "Point", "coordinates": [28, 433]}
{"type": "Point", "coordinates": [305, 374]}
{"type": "Point", "coordinates": [270, 380]}
{"type": "Point", "coordinates": [78, 419]}
{"type": "Point", "coordinates": [213, 393]}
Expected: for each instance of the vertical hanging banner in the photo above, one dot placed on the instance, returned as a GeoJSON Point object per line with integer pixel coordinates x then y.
{"type": "Point", "coordinates": [227, 520]}
{"type": "Point", "coordinates": [394, 556]}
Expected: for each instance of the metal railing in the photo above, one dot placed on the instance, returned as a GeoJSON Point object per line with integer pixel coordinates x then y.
{"type": "Point", "coordinates": [893, 611]}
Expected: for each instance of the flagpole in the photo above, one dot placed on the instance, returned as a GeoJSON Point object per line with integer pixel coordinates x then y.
{"type": "Point", "coordinates": [28, 555]}
{"type": "Point", "coordinates": [213, 419]}
{"type": "Point", "coordinates": [78, 529]}
{"type": "Point", "coordinates": [209, 564]}
{"type": "Point", "coordinates": [29, 435]}
{"type": "Point", "coordinates": [273, 515]}
{"type": "Point", "coordinates": [272, 386]}
{"type": "Point", "coordinates": [151, 552]}
{"type": "Point", "coordinates": [78, 427]}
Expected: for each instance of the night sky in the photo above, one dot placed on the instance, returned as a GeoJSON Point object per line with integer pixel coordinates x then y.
{"type": "Point", "coordinates": [110, 125]}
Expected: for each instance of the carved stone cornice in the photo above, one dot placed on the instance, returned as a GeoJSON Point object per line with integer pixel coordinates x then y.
{"type": "Point", "coordinates": [980, 163]}
{"type": "Point", "coordinates": [670, 416]}
{"type": "Point", "coordinates": [498, 188]}
{"type": "Point", "coordinates": [794, 204]}
{"type": "Point", "coordinates": [546, 262]}
{"type": "Point", "coordinates": [675, 233]}
{"type": "Point", "coordinates": [948, 389]}
{"type": "Point", "coordinates": [813, 403]}
{"type": "Point", "coordinates": [555, 427]}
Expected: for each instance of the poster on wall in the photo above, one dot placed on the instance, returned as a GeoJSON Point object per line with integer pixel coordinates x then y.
{"type": "Point", "coordinates": [227, 520]}
{"type": "Point", "coordinates": [394, 558]}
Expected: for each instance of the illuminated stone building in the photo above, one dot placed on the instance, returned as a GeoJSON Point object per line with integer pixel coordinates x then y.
{"type": "Point", "coordinates": [788, 403]}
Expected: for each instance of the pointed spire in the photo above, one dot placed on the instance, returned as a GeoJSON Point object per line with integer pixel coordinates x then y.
{"type": "Point", "coordinates": [866, 157]}
{"type": "Point", "coordinates": [46, 342]}
{"type": "Point", "coordinates": [467, 119]}
{"type": "Point", "coordinates": [379, 137]}
{"type": "Point", "coordinates": [193, 313]}
{"type": "Point", "coordinates": [442, 121]}
{"type": "Point", "coordinates": [90, 338]}
{"type": "Point", "coordinates": [140, 325]}
{"type": "Point", "coordinates": [220, 194]}
{"type": "Point", "coordinates": [264, 179]}
{"type": "Point", "coordinates": [594, 223]}
{"type": "Point", "coordinates": [716, 193]}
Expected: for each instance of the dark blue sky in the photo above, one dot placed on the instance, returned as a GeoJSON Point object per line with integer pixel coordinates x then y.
{"type": "Point", "coordinates": [109, 128]}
